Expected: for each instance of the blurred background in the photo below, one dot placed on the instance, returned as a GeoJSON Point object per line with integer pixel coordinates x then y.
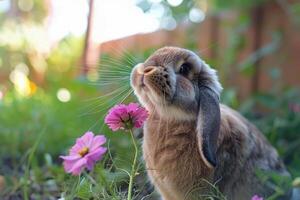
{"type": "Point", "coordinates": [63, 63]}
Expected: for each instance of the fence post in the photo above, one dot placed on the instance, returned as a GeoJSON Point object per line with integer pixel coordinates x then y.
{"type": "Point", "coordinates": [87, 41]}
{"type": "Point", "coordinates": [214, 36]}
{"type": "Point", "coordinates": [257, 22]}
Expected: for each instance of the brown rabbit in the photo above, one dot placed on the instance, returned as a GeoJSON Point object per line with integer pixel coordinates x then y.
{"type": "Point", "coordinates": [190, 139]}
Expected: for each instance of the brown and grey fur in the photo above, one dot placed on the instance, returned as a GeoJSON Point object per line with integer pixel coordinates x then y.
{"type": "Point", "coordinates": [191, 139]}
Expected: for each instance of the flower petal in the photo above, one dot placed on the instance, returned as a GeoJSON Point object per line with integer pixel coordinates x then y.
{"type": "Point", "coordinates": [87, 138]}
{"type": "Point", "coordinates": [78, 166]}
{"type": "Point", "coordinates": [68, 164]}
{"type": "Point", "coordinates": [97, 154]}
{"type": "Point", "coordinates": [90, 164]}
{"type": "Point", "coordinates": [71, 157]}
{"type": "Point", "coordinates": [83, 141]}
{"type": "Point", "coordinates": [256, 197]}
{"type": "Point", "coordinates": [76, 148]}
{"type": "Point", "coordinates": [120, 115]}
{"type": "Point", "coordinates": [76, 161]}
{"type": "Point", "coordinates": [97, 141]}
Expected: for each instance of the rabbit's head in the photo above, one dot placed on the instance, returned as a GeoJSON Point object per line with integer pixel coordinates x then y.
{"type": "Point", "coordinates": [176, 84]}
{"type": "Point", "coordinates": [171, 80]}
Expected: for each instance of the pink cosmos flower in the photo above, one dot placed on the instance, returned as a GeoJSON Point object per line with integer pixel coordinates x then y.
{"type": "Point", "coordinates": [85, 153]}
{"type": "Point", "coordinates": [256, 197]}
{"type": "Point", "coordinates": [126, 116]}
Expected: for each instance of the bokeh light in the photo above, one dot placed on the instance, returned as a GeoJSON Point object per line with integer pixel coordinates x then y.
{"type": "Point", "coordinates": [175, 3]}
{"type": "Point", "coordinates": [22, 84]}
{"type": "Point", "coordinates": [168, 23]}
{"type": "Point", "coordinates": [1, 95]}
{"type": "Point", "coordinates": [63, 95]}
{"type": "Point", "coordinates": [23, 68]}
{"type": "Point", "coordinates": [196, 15]}
{"type": "Point", "coordinates": [157, 10]}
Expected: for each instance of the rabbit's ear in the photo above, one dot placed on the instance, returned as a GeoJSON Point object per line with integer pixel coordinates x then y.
{"type": "Point", "coordinates": [208, 124]}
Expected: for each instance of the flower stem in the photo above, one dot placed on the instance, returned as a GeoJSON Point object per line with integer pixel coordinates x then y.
{"type": "Point", "coordinates": [133, 167]}
{"type": "Point", "coordinates": [90, 178]}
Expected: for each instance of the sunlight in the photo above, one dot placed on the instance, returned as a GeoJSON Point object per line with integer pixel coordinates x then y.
{"type": "Point", "coordinates": [116, 19]}
{"type": "Point", "coordinates": [73, 13]}
{"type": "Point", "coordinates": [113, 19]}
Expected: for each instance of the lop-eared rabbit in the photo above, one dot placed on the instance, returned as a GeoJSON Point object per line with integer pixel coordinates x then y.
{"type": "Point", "coordinates": [191, 141]}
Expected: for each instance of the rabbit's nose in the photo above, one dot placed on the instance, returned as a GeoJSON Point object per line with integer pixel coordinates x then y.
{"type": "Point", "coordinates": [149, 70]}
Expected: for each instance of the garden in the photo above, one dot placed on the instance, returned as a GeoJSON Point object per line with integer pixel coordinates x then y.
{"type": "Point", "coordinates": [55, 94]}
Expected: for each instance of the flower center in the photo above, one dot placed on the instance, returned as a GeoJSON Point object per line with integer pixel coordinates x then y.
{"type": "Point", "coordinates": [83, 151]}
{"type": "Point", "coordinates": [127, 122]}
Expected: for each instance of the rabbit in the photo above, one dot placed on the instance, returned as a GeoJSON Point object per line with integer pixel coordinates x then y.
{"type": "Point", "coordinates": [192, 143]}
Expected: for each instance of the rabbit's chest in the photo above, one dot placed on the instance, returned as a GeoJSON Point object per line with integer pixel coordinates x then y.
{"type": "Point", "coordinates": [172, 159]}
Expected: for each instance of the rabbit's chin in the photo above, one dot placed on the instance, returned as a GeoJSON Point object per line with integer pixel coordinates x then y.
{"type": "Point", "coordinates": [165, 107]}
{"type": "Point", "coordinates": [165, 110]}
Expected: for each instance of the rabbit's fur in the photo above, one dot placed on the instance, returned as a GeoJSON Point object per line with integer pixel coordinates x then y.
{"type": "Point", "coordinates": [190, 139]}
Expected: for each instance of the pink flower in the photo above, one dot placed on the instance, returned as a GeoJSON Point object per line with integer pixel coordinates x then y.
{"type": "Point", "coordinates": [256, 197]}
{"type": "Point", "coordinates": [85, 153]}
{"type": "Point", "coordinates": [126, 116]}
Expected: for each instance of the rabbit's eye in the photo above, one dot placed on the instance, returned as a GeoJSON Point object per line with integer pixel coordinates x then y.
{"type": "Point", "coordinates": [185, 69]}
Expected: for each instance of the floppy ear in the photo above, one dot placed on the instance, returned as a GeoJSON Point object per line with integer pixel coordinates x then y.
{"type": "Point", "coordinates": [208, 124]}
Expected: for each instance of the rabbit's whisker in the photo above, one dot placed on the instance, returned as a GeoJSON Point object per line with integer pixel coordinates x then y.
{"type": "Point", "coordinates": [128, 94]}
{"type": "Point", "coordinates": [110, 60]}
{"type": "Point", "coordinates": [130, 58]}
{"type": "Point", "coordinates": [117, 66]}
{"type": "Point", "coordinates": [107, 77]}
{"type": "Point", "coordinates": [107, 94]}
{"type": "Point", "coordinates": [114, 71]}
{"type": "Point", "coordinates": [107, 104]}
{"type": "Point", "coordinates": [114, 78]}
{"type": "Point", "coordinates": [120, 52]}
{"type": "Point", "coordinates": [106, 83]}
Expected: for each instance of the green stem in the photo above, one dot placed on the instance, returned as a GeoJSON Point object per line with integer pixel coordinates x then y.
{"type": "Point", "coordinates": [90, 178]}
{"type": "Point", "coordinates": [133, 169]}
